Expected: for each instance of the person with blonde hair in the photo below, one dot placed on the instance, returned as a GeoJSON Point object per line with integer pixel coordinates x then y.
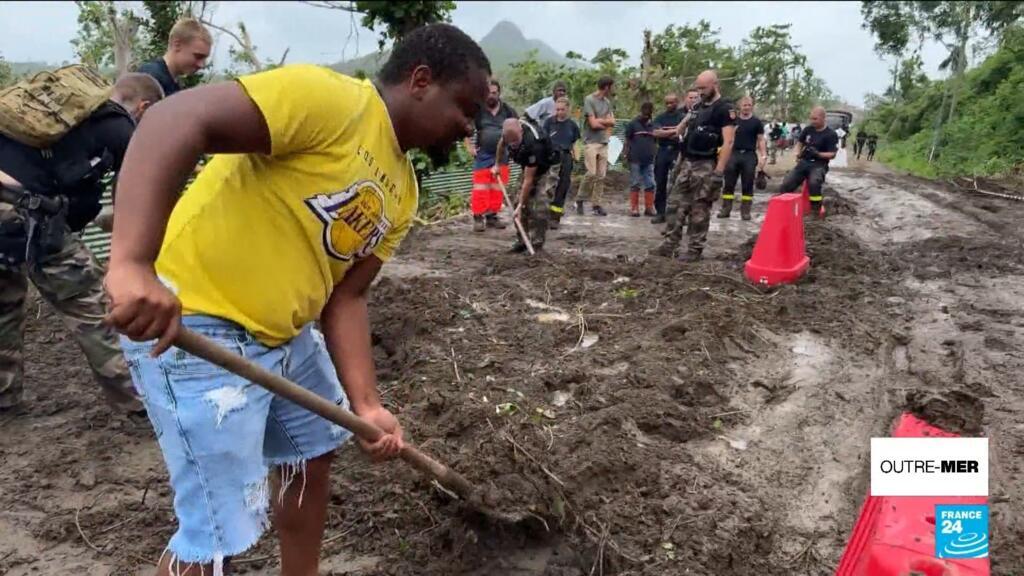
{"type": "Point", "coordinates": [188, 47]}
{"type": "Point", "coordinates": [564, 133]}
{"type": "Point", "coordinates": [749, 154]}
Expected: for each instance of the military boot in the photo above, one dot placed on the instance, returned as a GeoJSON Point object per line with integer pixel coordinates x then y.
{"type": "Point", "coordinates": [726, 209]}
{"type": "Point", "coordinates": [690, 256]}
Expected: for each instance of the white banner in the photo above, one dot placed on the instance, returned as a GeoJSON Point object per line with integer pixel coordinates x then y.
{"type": "Point", "coordinates": [929, 466]}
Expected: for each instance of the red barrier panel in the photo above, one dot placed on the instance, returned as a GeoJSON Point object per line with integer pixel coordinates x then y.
{"type": "Point", "coordinates": [895, 535]}
{"type": "Point", "coordinates": [779, 256]}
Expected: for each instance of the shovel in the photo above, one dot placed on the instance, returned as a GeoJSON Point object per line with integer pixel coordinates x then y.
{"type": "Point", "coordinates": [451, 480]}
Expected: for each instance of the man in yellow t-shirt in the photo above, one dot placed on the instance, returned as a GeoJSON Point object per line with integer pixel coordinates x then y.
{"type": "Point", "coordinates": [308, 194]}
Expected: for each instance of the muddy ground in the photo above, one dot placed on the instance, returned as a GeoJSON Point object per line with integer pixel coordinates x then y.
{"type": "Point", "coordinates": [661, 419]}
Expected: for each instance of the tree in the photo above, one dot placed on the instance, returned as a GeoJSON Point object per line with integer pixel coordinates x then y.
{"type": "Point", "coordinates": [680, 53]}
{"type": "Point", "coordinates": [107, 35]}
{"type": "Point", "coordinates": [953, 24]}
{"type": "Point", "coordinates": [392, 19]}
{"type": "Point", "coordinates": [774, 69]}
{"type": "Point", "coordinates": [6, 74]}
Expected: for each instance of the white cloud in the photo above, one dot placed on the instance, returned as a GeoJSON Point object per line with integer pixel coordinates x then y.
{"type": "Point", "coordinates": [829, 33]}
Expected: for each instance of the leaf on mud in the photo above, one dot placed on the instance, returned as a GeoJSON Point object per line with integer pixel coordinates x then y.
{"type": "Point", "coordinates": [516, 392]}
{"type": "Point", "coordinates": [589, 340]}
{"type": "Point", "coordinates": [627, 293]}
{"type": "Point", "coordinates": [558, 506]}
{"type": "Point", "coordinates": [621, 280]}
{"type": "Point", "coordinates": [506, 409]}
{"type": "Point", "coordinates": [546, 412]}
{"type": "Point", "coordinates": [717, 424]}
{"type": "Point", "coordinates": [465, 313]}
{"type": "Point", "coordinates": [668, 546]}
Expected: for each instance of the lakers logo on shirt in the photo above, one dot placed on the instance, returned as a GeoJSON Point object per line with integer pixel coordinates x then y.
{"type": "Point", "coordinates": [354, 219]}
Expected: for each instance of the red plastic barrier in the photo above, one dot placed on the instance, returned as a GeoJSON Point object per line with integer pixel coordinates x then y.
{"type": "Point", "coordinates": [779, 256]}
{"type": "Point", "coordinates": [895, 535]}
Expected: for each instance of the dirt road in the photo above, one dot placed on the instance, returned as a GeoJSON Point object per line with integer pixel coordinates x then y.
{"type": "Point", "coordinates": [662, 419]}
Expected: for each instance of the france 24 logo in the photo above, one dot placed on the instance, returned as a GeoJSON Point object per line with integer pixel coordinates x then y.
{"type": "Point", "coordinates": [961, 531]}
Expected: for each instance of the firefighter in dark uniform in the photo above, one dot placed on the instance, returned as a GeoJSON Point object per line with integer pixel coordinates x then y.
{"type": "Point", "coordinates": [817, 145]}
{"type": "Point", "coordinates": [530, 147]}
{"type": "Point", "coordinates": [749, 153]}
{"type": "Point", "coordinates": [706, 150]}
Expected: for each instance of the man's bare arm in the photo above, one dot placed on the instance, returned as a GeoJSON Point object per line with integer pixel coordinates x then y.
{"type": "Point", "coordinates": [346, 324]}
{"type": "Point", "coordinates": [219, 118]}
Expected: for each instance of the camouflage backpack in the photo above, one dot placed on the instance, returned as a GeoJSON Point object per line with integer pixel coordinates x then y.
{"type": "Point", "coordinates": [39, 111]}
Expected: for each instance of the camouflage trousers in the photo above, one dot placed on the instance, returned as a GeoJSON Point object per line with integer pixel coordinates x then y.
{"type": "Point", "coordinates": [71, 281]}
{"type": "Point", "coordinates": [690, 200]}
{"type": "Point", "coordinates": [534, 215]}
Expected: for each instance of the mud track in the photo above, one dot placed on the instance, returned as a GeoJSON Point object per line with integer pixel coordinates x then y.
{"type": "Point", "coordinates": [661, 419]}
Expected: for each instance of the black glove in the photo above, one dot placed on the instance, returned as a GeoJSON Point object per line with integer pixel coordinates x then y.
{"type": "Point", "coordinates": [810, 153]}
{"type": "Point", "coordinates": [761, 180]}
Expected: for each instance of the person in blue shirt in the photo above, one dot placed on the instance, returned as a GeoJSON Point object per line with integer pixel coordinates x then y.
{"type": "Point", "coordinates": [564, 133]}
{"type": "Point", "coordinates": [640, 150]}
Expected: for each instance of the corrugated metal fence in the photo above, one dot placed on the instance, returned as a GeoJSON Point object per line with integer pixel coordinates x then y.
{"type": "Point", "coordinates": [440, 185]}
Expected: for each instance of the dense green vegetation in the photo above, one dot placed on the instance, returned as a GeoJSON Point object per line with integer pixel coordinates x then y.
{"type": "Point", "coordinates": [767, 65]}
{"type": "Point", "coordinates": [971, 123]}
{"type": "Point", "coordinates": [985, 135]}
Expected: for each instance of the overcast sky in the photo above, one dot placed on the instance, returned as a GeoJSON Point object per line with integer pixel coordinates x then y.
{"type": "Point", "coordinates": [829, 33]}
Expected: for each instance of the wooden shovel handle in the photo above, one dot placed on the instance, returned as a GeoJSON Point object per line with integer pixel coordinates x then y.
{"type": "Point", "coordinates": [208, 350]}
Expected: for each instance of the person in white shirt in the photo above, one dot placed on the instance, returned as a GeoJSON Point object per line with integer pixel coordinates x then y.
{"type": "Point", "coordinates": [544, 108]}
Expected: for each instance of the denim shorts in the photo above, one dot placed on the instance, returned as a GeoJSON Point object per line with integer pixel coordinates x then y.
{"type": "Point", "coordinates": [221, 434]}
{"type": "Point", "coordinates": [641, 176]}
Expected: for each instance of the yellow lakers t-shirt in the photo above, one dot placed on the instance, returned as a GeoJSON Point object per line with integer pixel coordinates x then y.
{"type": "Point", "coordinates": [262, 240]}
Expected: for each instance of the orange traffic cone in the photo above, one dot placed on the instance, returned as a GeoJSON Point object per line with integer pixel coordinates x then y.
{"type": "Point", "coordinates": [779, 256]}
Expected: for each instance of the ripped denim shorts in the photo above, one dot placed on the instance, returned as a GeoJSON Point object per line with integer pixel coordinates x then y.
{"type": "Point", "coordinates": [221, 434]}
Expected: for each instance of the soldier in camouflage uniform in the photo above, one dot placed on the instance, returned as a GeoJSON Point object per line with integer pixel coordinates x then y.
{"type": "Point", "coordinates": [531, 148]}
{"type": "Point", "coordinates": [45, 246]}
{"type": "Point", "coordinates": [698, 184]}
{"type": "Point", "coordinates": [71, 281]}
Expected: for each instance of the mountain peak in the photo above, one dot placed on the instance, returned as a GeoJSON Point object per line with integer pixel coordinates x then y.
{"type": "Point", "coordinates": [504, 32]}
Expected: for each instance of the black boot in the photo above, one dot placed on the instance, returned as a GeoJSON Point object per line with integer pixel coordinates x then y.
{"type": "Point", "coordinates": [726, 209]}
{"type": "Point", "coordinates": [579, 207]}
{"type": "Point", "coordinates": [658, 219]}
{"type": "Point", "coordinates": [690, 256]}
{"type": "Point", "coordinates": [745, 209]}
